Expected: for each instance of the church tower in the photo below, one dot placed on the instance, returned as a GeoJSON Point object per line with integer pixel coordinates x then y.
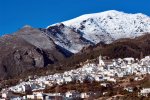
{"type": "Point", "coordinates": [101, 62]}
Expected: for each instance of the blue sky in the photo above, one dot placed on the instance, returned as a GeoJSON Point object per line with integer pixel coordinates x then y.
{"type": "Point", "coordinates": [14, 14]}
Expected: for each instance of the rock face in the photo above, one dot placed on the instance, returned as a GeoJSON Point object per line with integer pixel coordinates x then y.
{"type": "Point", "coordinates": [17, 56]}
{"type": "Point", "coordinates": [24, 50]}
{"type": "Point", "coordinates": [42, 41]}
{"type": "Point", "coordinates": [67, 38]}
{"type": "Point", "coordinates": [36, 38]}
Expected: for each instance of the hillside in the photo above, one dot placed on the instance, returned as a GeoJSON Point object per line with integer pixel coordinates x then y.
{"type": "Point", "coordinates": [122, 48]}
{"type": "Point", "coordinates": [27, 49]}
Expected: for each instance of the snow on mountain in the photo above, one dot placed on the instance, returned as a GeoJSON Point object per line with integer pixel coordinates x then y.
{"type": "Point", "coordinates": [110, 25]}
{"type": "Point", "coordinates": [105, 26]}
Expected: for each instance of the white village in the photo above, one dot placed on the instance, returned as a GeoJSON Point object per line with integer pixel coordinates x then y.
{"type": "Point", "coordinates": [103, 72]}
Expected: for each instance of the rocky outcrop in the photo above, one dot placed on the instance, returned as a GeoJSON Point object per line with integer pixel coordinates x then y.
{"type": "Point", "coordinates": [66, 37]}
{"type": "Point", "coordinates": [17, 56]}
{"type": "Point", "coordinates": [26, 49]}
{"type": "Point", "coordinates": [42, 41]}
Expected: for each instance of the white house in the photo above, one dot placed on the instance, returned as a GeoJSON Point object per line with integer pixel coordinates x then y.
{"type": "Point", "coordinates": [33, 97]}
{"type": "Point", "coordinates": [129, 60]}
{"type": "Point", "coordinates": [67, 79]}
{"type": "Point", "coordinates": [129, 89]}
{"type": "Point", "coordinates": [145, 92]}
{"type": "Point", "coordinates": [98, 78]}
{"type": "Point", "coordinates": [72, 94]}
{"type": "Point", "coordinates": [101, 62]}
{"type": "Point", "coordinates": [84, 95]}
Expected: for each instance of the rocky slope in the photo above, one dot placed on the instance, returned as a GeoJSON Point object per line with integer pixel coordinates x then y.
{"type": "Point", "coordinates": [17, 56]}
{"type": "Point", "coordinates": [67, 38]}
{"type": "Point", "coordinates": [40, 40]}
{"type": "Point", "coordinates": [137, 47]}
{"type": "Point", "coordinates": [26, 49]}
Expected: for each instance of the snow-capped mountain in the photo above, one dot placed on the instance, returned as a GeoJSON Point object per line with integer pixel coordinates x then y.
{"type": "Point", "coordinates": [109, 26]}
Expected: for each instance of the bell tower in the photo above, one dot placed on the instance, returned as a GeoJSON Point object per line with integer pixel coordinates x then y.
{"type": "Point", "coordinates": [101, 62]}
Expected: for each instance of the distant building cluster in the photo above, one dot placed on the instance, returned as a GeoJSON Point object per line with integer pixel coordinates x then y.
{"type": "Point", "coordinates": [104, 71]}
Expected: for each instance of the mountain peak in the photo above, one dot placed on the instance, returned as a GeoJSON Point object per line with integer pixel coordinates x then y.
{"type": "Point", "coordinates": [27, 26]}
{"type": "Point", "coordinates": [104, 27]}
{"type": "Point", "coordinates": [105, 14]}
{"type": "Point", "coordinates": [110, 23]}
